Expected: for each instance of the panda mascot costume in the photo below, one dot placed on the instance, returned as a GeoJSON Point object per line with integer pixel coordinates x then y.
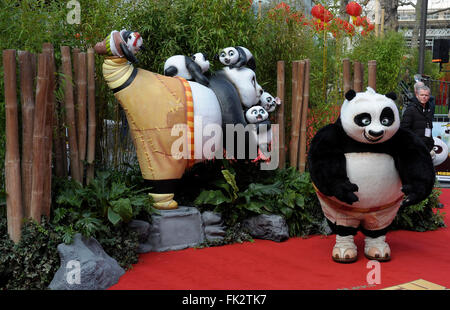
{"type": "Point", "coordinates": [364, 167]}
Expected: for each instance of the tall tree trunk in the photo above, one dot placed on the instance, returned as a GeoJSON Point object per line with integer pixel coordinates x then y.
{"type": "Point", "coordinates": [390, 14]}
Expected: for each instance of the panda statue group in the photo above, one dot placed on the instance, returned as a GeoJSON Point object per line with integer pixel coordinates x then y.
{"type": "Point", "coordinates": [364, 167]}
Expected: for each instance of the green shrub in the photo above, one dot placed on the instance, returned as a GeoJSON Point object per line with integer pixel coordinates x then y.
{"type": "Point", "coordinates": [420, 217]}
{"type": "Point", "coordinates": [286, 192]}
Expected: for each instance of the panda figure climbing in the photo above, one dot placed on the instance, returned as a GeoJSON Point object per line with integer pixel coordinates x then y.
{"type": "Point", "coordinates": [364, 167]}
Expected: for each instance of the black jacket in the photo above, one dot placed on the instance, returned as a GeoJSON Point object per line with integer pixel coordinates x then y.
{"type": "Point", "coordinates": [416, 118]}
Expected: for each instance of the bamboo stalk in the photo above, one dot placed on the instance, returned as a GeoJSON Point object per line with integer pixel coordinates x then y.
{"type": "Point", "coordinates": [280, 113]}
{"type": "Point", "coordinates": [70, 114]}
{"type": "Point", "coordinates": [304, 119]}
{"type": "Point", "coordinates": [91, 114]}
{"type": "Point", "coordinates": [296, 114]}
{"type": "Point", "coordinates": [347, 74]}
{"type": "Point", "coordinates": [372, 74]}
{"type": "Point", "coordinates": [361, 66]}
{"type": "Point", "coordinates": [294, 81]}
{"type": "Point", "coordinates": [14, 207]}
{"type": "Point", "coordinates": [38, 138]}
{"type": "Point", "coordinates": [27, 101]}
{"type": "Point", "coordinates": [48, 135]}
{"type": "Point", "coordinates": [81, 109]}
{"type": "Point", "coordinates": [357, 76]}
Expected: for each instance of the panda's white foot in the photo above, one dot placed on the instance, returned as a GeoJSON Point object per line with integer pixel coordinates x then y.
{"type": "Point", "coordinates": [345, 250]}
{"type": "Point", "coordinates": [377, 249]}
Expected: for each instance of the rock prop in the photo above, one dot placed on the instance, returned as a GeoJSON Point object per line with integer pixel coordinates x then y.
{"type": "Point", "coordinates": [176, 229]}
{"type": "Point", "coordinates": [85, 266]}
{"type": "Point", "coordinates": [213, 226]}
{"type": "Point", "coordinates": [270, 227]}
{"type": "Point", "coordinates": [143, 230]}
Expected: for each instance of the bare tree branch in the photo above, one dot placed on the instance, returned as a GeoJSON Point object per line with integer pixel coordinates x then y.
{"type": "Point", "coordinates": [437, 11]}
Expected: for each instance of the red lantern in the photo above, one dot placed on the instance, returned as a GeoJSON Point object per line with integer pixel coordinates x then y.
{"type": "Point", "coordinates": [317, 11]}
{"type": "Point", "coordinates": [370, 27]}
{"type": "Point", "coordinates": [353, 9]}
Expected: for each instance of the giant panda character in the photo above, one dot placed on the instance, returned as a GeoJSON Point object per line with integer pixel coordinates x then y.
{"type": "Point", "coordinates": [189, 68]}
{"type": "Point", "coordinates": [237, 57]}
{"type": "Point", "coordinates": [364, 168]}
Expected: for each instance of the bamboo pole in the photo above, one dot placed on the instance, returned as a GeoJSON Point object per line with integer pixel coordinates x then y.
{"type": "Point", "coordinates": [48, 136]}
{"type": "Point", "coordinates": [296, 114]}
{"type": "Point", "coordinates": [14, 207]}
{"type": "Point", "coordinates": [70, 114]}
{"type": "Point", "coordinates": [81, 109]}
{"type": "Point", "coordinates": [382, 22]}
{"type": "Point", "coordinates": [304, 119]}
{"type": "Point", "coordinates": [372, 74]}
{"type": "Point", "coordinates": [91, 114]}
{"type": "Point", "coordinates": [357, 76]}
{"type": "Point", "coordinates": [294, 81]}
{"type": "Point", "coordinates": [38, 137]}
{"type": "Point", "coordinates": [347, 74]}
{"type": "Point", "coordinates": [280, 113]}
{"type": "Point", "coordinates": [361, 66]}
{"type": "Point", "coordinates": [27, 101]}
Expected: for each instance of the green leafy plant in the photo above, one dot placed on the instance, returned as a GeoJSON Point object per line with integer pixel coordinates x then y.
{"type": "Point", "coordinates": [287, 193]}
{"type": "Point", "coordinates": [421, 217]}
{"type": "Point", "coordinates": [103, 199]}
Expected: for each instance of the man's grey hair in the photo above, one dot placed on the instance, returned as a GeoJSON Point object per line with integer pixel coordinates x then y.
{"type": "Point", "coordinates": [422, 87]}
{"type": "Point", "coordinates": [417, 85]}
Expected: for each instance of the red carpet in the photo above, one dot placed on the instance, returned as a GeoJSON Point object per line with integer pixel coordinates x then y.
{"type": "Point", "coordinates": [295, 264]}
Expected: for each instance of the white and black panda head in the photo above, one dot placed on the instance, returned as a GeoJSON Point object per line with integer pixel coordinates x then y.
{"type": "Point", "coordinates": [201, 60]}
{"type": "Point", "coordinates": [268, 102]}
{"type": "Point", "coordinates": [440, 149]}
{"type": "Point", "coordinates": [133, 40]}
{"type": "Point", "coordinates": [229, 56]}
{"type": "Point", "coordinates": [369, 117]}
{"type": "Point", "coordinates": [256, 114]}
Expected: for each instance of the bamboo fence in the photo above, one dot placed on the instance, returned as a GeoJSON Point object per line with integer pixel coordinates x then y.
{"type": "Point", "coordinates": [280, 113]}
{"type": "Point", "coordinates": [28, 170]}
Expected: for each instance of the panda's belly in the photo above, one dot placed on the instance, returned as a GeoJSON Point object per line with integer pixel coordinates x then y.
{"type": "Point", "coordinates": [207, 121]}
{"type": "Point", "coordinates": [376, 176]}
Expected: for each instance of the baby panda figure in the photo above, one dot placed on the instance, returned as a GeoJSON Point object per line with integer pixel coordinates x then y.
{"type": "Point", "coordinates": [124, 43]}
{"type": "Point", "coordinates": [440, 150]}
{"type": "Point", "coordinates": [259, 116]}
{"type": "Point", "coordinates": [364, 167]}
{"type": "Point", "coordinates": [268, 102]}
{"type": "Point", "coordinates": [189, 68]}
{"type": "Point", "coordinates": [237, 57]}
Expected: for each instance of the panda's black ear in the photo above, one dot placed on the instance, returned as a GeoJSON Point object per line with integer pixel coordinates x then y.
{"type": "Point", "coordinates": [350, 94]}
{"type": "Point", "coordinates": [392, 96]}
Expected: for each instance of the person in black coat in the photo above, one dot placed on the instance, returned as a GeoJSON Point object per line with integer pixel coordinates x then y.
{"type": "Point", "coordinates": [418, 116]}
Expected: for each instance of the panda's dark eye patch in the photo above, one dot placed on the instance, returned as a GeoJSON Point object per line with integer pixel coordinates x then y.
{"type": "Point", "coordinates": [387, 117]}
{"type": "Point", "coordinates": [437, 149]}
{"type": "Point", "coordinates": [363, 119]}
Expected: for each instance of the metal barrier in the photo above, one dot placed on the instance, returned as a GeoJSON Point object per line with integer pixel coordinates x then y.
{"type": "Point", "coordinates": [441, 92]}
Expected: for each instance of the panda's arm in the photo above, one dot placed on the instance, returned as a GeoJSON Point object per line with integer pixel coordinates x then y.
{"type": "Point", "coordinates": [196, 72]}
{"type": "Point", "coordinates": [414, 165]}
{"type": "Point", "coordinates": [242, 58]}
{"type": "Point", "coordinates": [327, 164]}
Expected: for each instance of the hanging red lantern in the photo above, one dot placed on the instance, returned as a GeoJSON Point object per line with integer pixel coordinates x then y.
{"type": "Point", "coordinates": [353, 9]}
